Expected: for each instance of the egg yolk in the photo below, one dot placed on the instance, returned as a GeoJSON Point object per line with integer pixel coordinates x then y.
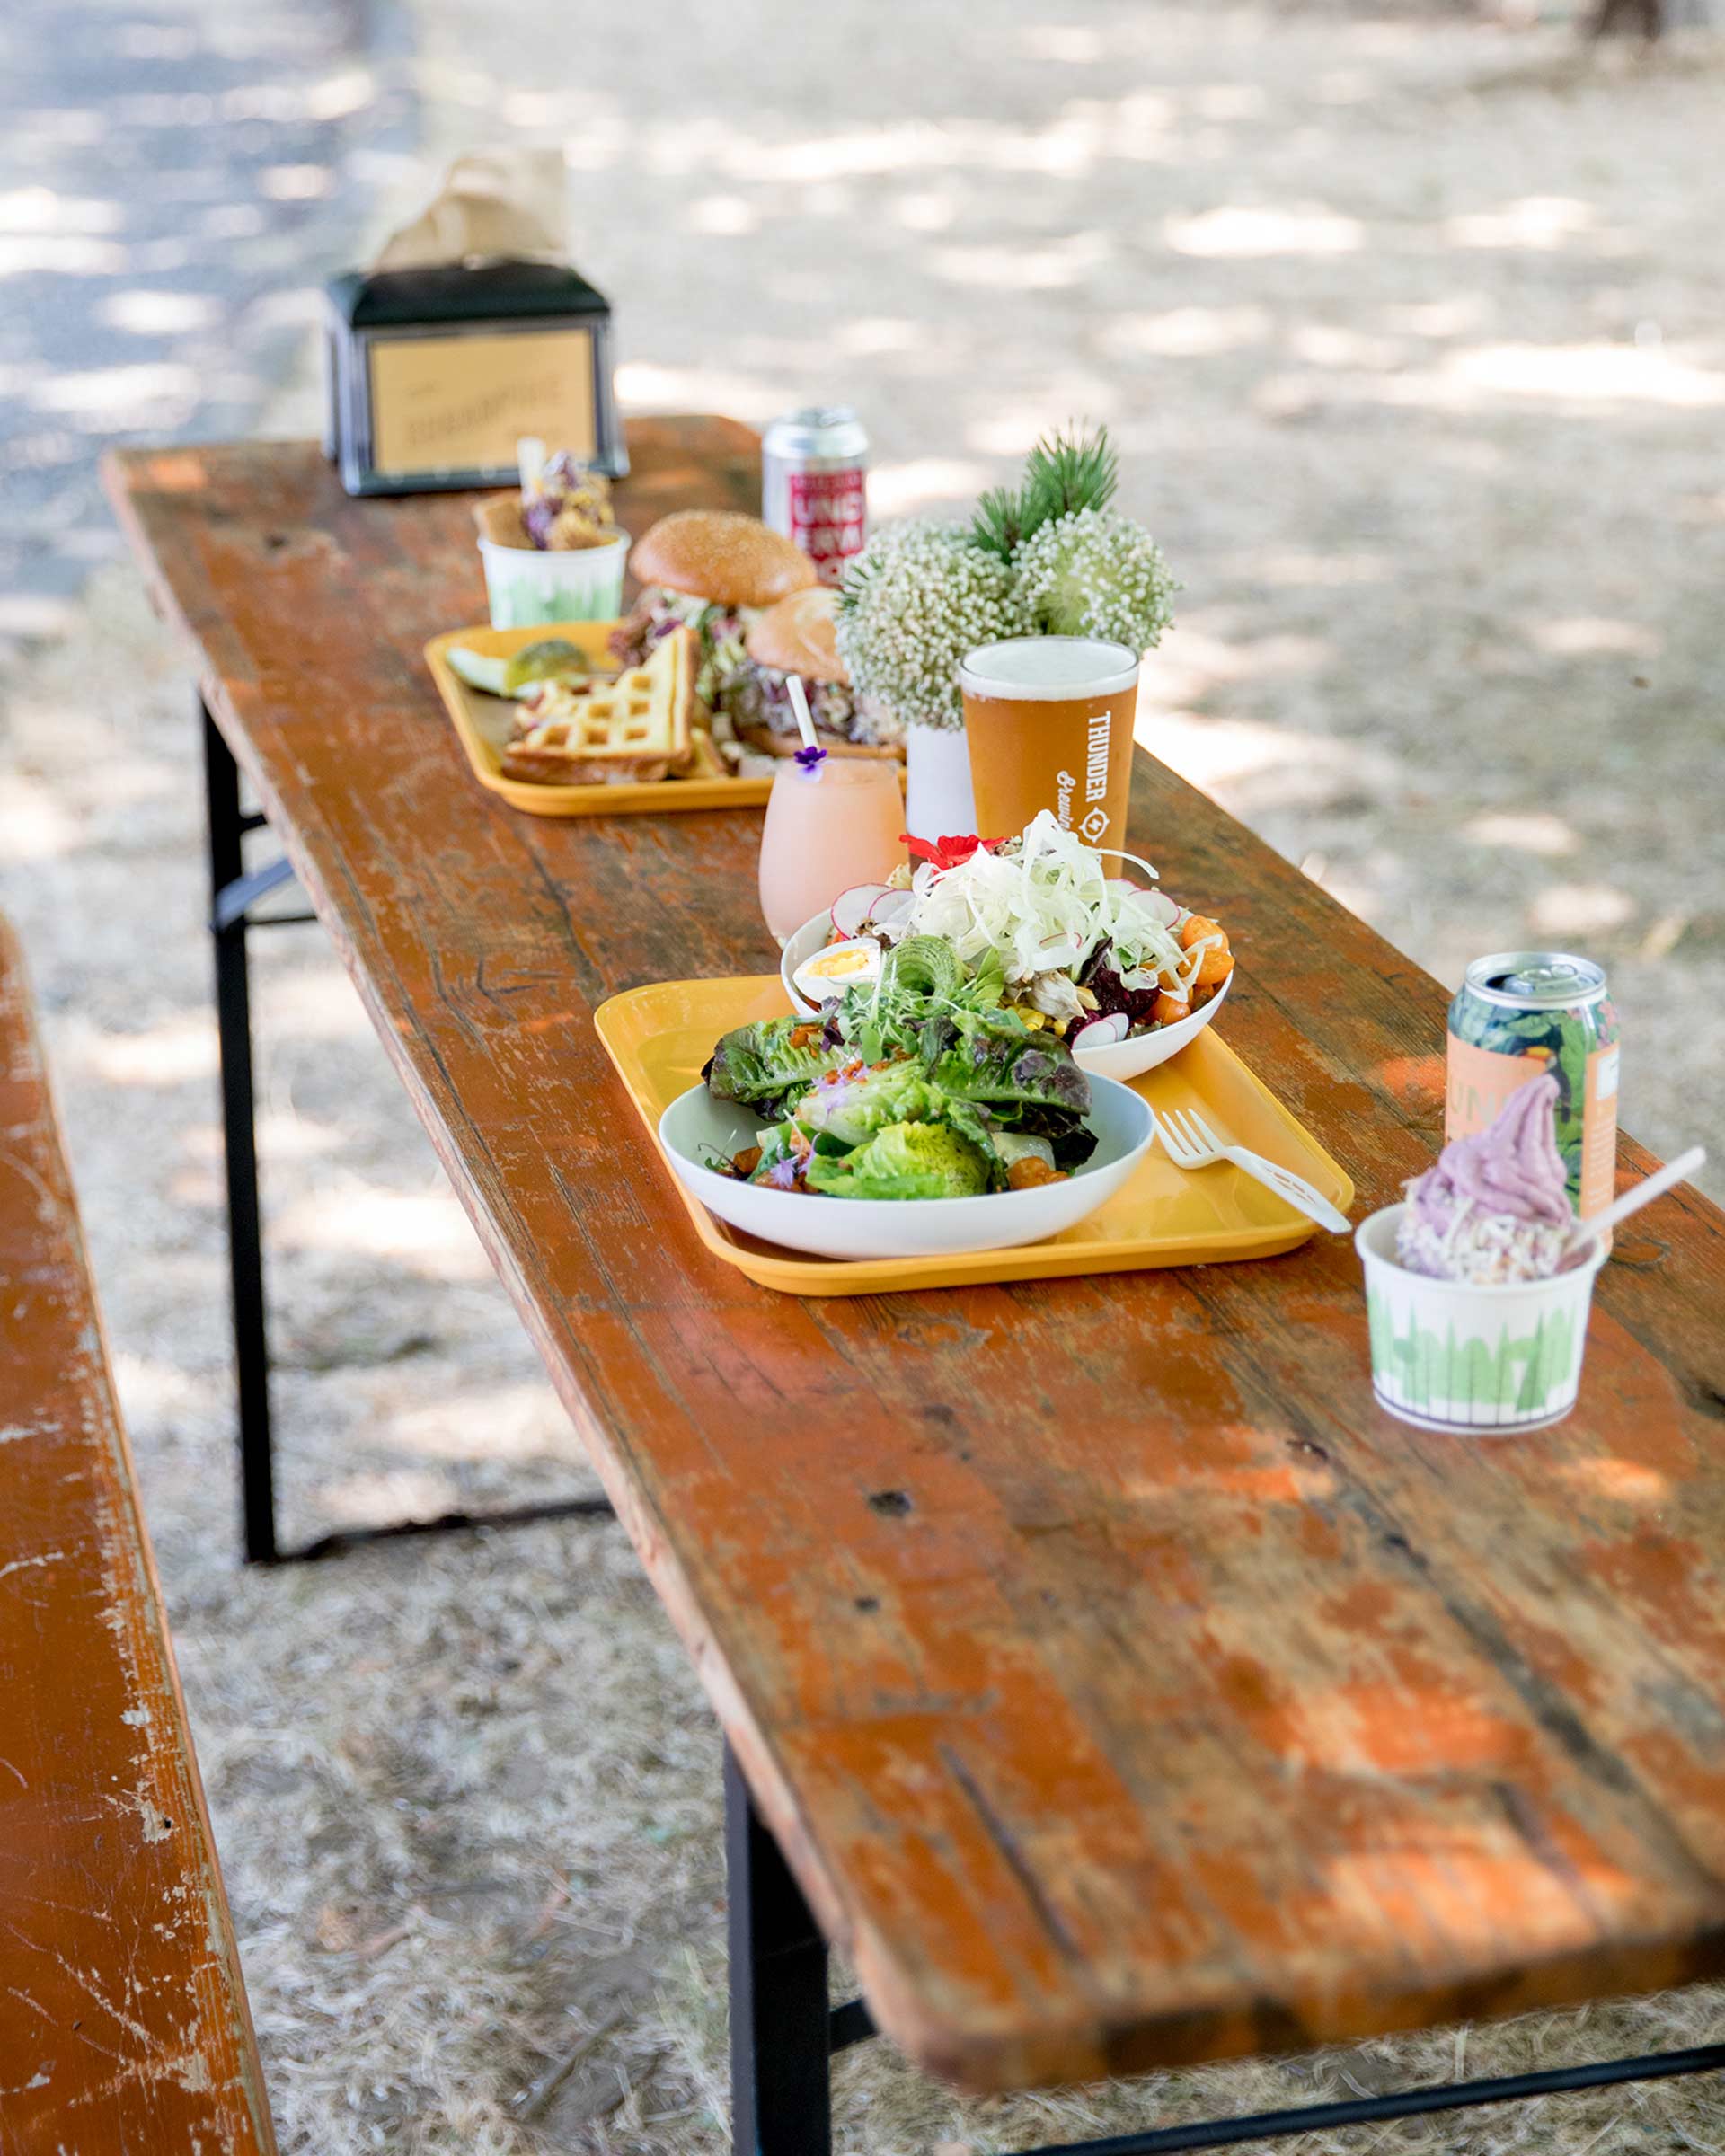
{"type": "Point", "coordinates": [829, 965]}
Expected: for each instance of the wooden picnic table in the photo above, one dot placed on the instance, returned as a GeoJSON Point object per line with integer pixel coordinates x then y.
{"type": "Point", "coordinates": [1121, 1685]}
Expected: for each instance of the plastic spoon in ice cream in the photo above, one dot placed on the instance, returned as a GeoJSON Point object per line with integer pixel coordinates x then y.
{"type": "Point", "coordinates": [1656, 1186]}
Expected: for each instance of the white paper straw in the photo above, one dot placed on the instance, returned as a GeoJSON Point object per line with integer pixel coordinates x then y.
{"type": "Point", "coordinates": [799, 705]}
{"type": "Point", "coordinates": [530, 462]}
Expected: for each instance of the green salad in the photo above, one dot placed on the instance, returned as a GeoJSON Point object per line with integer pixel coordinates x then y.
{"type": "Point", "coordinates": [919, 1084]}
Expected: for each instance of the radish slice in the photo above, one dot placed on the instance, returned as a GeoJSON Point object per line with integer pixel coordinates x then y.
{"type": "Point", "coordinates": [891, 909]}
{"type": "Point", "coordinates": [1157, 903]}
{"type": "Point", "coordinates": [1102, 1032]}
{"type": "Point", "coordinates": [851, 908]}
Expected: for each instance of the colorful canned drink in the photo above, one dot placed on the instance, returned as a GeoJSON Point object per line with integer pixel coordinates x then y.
{"type": "Point", "coordinates": [1517, 1014]}
{"type": "Point", "coordinates": [814, 484]}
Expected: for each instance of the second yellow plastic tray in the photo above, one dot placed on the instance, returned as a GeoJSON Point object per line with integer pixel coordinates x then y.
{"type": "Point", "coordinates": [660, 1036]}
{"type": "Point", "coordinates": [483, 723]}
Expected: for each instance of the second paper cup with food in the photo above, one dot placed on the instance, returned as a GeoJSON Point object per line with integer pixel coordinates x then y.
{"type": "Point", "coordinates": [1478, 1285]}
{"type": "Point", "coordinates": [524, 586]}
{"type": "Point", "coordinates": [552, 552]}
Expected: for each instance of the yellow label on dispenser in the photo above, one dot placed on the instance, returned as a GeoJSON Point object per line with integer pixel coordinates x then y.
{"type": "Point", "coordinates": [460, 402]}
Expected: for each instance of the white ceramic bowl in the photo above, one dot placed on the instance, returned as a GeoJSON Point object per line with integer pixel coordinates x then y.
{"type": "Point", "coordinates": [570, 584]}
{"type": "Point", "coordinates": [1449, 1355]}
{"type": "Point", "coordinates": [696, 1126]}
{"type": "Point", "coordinates": [1121, 1059]}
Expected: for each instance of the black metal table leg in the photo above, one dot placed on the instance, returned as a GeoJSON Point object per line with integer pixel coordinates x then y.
{"type": "Point", "coordinates": [226, 829]}
{"type": "Point", "coordinates": [780, 2089]}
{"type": "Point", "coordinates": [233, 892]}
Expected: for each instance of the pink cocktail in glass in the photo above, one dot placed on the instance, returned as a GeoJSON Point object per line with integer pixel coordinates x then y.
{"type": "Point", "coordinates": [826, 829]}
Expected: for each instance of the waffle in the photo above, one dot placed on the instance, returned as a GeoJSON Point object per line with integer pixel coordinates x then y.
{"type": "Point", "coordinates": [629, 729]}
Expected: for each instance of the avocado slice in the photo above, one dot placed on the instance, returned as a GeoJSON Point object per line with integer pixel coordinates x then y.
{"type": "Point", "coordinates": [476, 670]}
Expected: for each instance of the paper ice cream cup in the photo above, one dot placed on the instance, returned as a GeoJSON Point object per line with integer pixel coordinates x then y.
{"type": "Point", "coordinates": [1449, 1355]}
{"type": "Point", "coordinates": [573, 584]}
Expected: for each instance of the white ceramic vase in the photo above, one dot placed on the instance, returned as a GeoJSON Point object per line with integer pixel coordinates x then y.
{"type": "Point", "coordinates": [938, 799]}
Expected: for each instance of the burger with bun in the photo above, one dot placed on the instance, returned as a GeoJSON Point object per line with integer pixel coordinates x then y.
{"type": "Point", "coordinates": [798, 636]}
{"type": "Point", "coordinates": [714, 572]}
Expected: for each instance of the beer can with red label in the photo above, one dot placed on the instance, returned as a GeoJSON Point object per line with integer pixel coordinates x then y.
{"type": "Point", "coordinates": [814, 484]}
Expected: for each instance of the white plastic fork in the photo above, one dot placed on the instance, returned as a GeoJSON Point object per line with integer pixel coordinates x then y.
{"type": "Point", "coordinates": [1190, 1142]}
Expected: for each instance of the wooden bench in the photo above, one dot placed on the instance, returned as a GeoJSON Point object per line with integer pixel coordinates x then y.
{"type": "Point", "coordinates": [123, 2022]}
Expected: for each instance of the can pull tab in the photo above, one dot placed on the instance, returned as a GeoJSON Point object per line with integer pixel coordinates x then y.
{"type": "Point", "coordinates": [1543, 984]}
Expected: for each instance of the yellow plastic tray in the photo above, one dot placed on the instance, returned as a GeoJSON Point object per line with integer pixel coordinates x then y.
{"type": "Point", "coordinates": [660, 1036]}
{"type": "Point", "coordinates": [482, 723]}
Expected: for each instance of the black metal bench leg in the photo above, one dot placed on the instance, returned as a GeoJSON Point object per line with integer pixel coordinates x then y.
{"type": "Point", "coordinates": [780, 2088]}
{"type": "Point", "coordinates": [227, 828]}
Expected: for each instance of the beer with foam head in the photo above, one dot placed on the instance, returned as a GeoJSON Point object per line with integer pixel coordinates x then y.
{"type": "Point", "coordinates": [1049, 720]}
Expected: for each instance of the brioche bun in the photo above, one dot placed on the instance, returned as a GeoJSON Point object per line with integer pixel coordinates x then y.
{"type": "Point", "coordinates": [722, 555]}
{"type": "Point", "coordinates": [799, 635]}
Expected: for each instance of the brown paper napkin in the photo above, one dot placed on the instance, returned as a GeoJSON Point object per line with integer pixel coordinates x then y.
{"type": "Point", "coordinates": [495, 206]}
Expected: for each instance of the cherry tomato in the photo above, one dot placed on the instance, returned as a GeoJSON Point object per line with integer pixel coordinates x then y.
{"type": "Point", "coordinates": [1218, 961]}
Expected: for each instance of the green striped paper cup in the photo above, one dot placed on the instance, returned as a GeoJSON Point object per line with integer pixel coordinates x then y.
{"type": "Point", "coordinates": [525, 585]}
{"type": "Point", "coordinates": [1449, 1356]}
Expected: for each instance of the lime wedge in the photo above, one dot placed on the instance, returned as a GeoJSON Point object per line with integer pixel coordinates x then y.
{"type": "Point", "coordinates": [543, 661]}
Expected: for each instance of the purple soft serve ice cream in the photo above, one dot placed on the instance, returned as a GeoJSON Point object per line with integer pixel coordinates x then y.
{"type": "Point", "coordinates": [1496, 1206]}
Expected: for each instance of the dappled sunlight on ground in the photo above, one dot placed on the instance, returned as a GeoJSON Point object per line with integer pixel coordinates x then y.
{"type": "Point", "coordinates": [488, 1422]}
{"type": "Point", "coordinates": [1535, 831]}
{"type": "Point", "coordinates": [1241, 232]}
{"type": "Point", "coordinates": [1580, 911]}
{"type": "Point", "coordinates": [425, 1231]}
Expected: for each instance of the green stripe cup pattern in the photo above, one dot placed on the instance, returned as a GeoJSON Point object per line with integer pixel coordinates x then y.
{"type": "Point", "coordinates": [1491, 1379]}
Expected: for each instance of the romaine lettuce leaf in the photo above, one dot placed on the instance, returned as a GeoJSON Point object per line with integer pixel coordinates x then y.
{"type": "Point", "coordinates": [905, 1161]}
{"type": "Point", "coordinates": [761, 1066]}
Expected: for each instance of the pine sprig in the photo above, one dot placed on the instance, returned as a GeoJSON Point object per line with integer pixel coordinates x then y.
{"type": "Point", "coordinates": [1064, 473]}
{"type": "Point", "coordinates": [995, 527]}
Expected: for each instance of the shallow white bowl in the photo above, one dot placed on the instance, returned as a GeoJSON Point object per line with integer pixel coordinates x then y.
{"type": "Point", "coordinates": [1121, 1059]}
{"type": "Point", "coordinates": [696, 1125]}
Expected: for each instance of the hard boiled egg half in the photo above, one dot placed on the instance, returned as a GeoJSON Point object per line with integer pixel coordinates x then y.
{"type": "Point", "coordinates": [839, 967]}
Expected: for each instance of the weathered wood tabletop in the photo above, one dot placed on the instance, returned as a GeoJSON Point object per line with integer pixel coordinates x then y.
{"type": "Point", "coordinates": [1122, 1685]}
{"type": "Point", "coordinates": [123, 2024]}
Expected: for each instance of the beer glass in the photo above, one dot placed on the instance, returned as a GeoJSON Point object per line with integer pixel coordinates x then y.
{"type": "Point", "coordinates": [1049, 720]}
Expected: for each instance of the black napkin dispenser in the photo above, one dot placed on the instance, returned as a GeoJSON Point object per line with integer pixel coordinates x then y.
{"type": "Point", "coordinates": [434, 374]}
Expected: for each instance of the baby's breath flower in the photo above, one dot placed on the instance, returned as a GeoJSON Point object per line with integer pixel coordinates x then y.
{"type": "Point", "coordinates": [915, 599]}
{"type": "Point", "coordinates": [1094, 573]}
